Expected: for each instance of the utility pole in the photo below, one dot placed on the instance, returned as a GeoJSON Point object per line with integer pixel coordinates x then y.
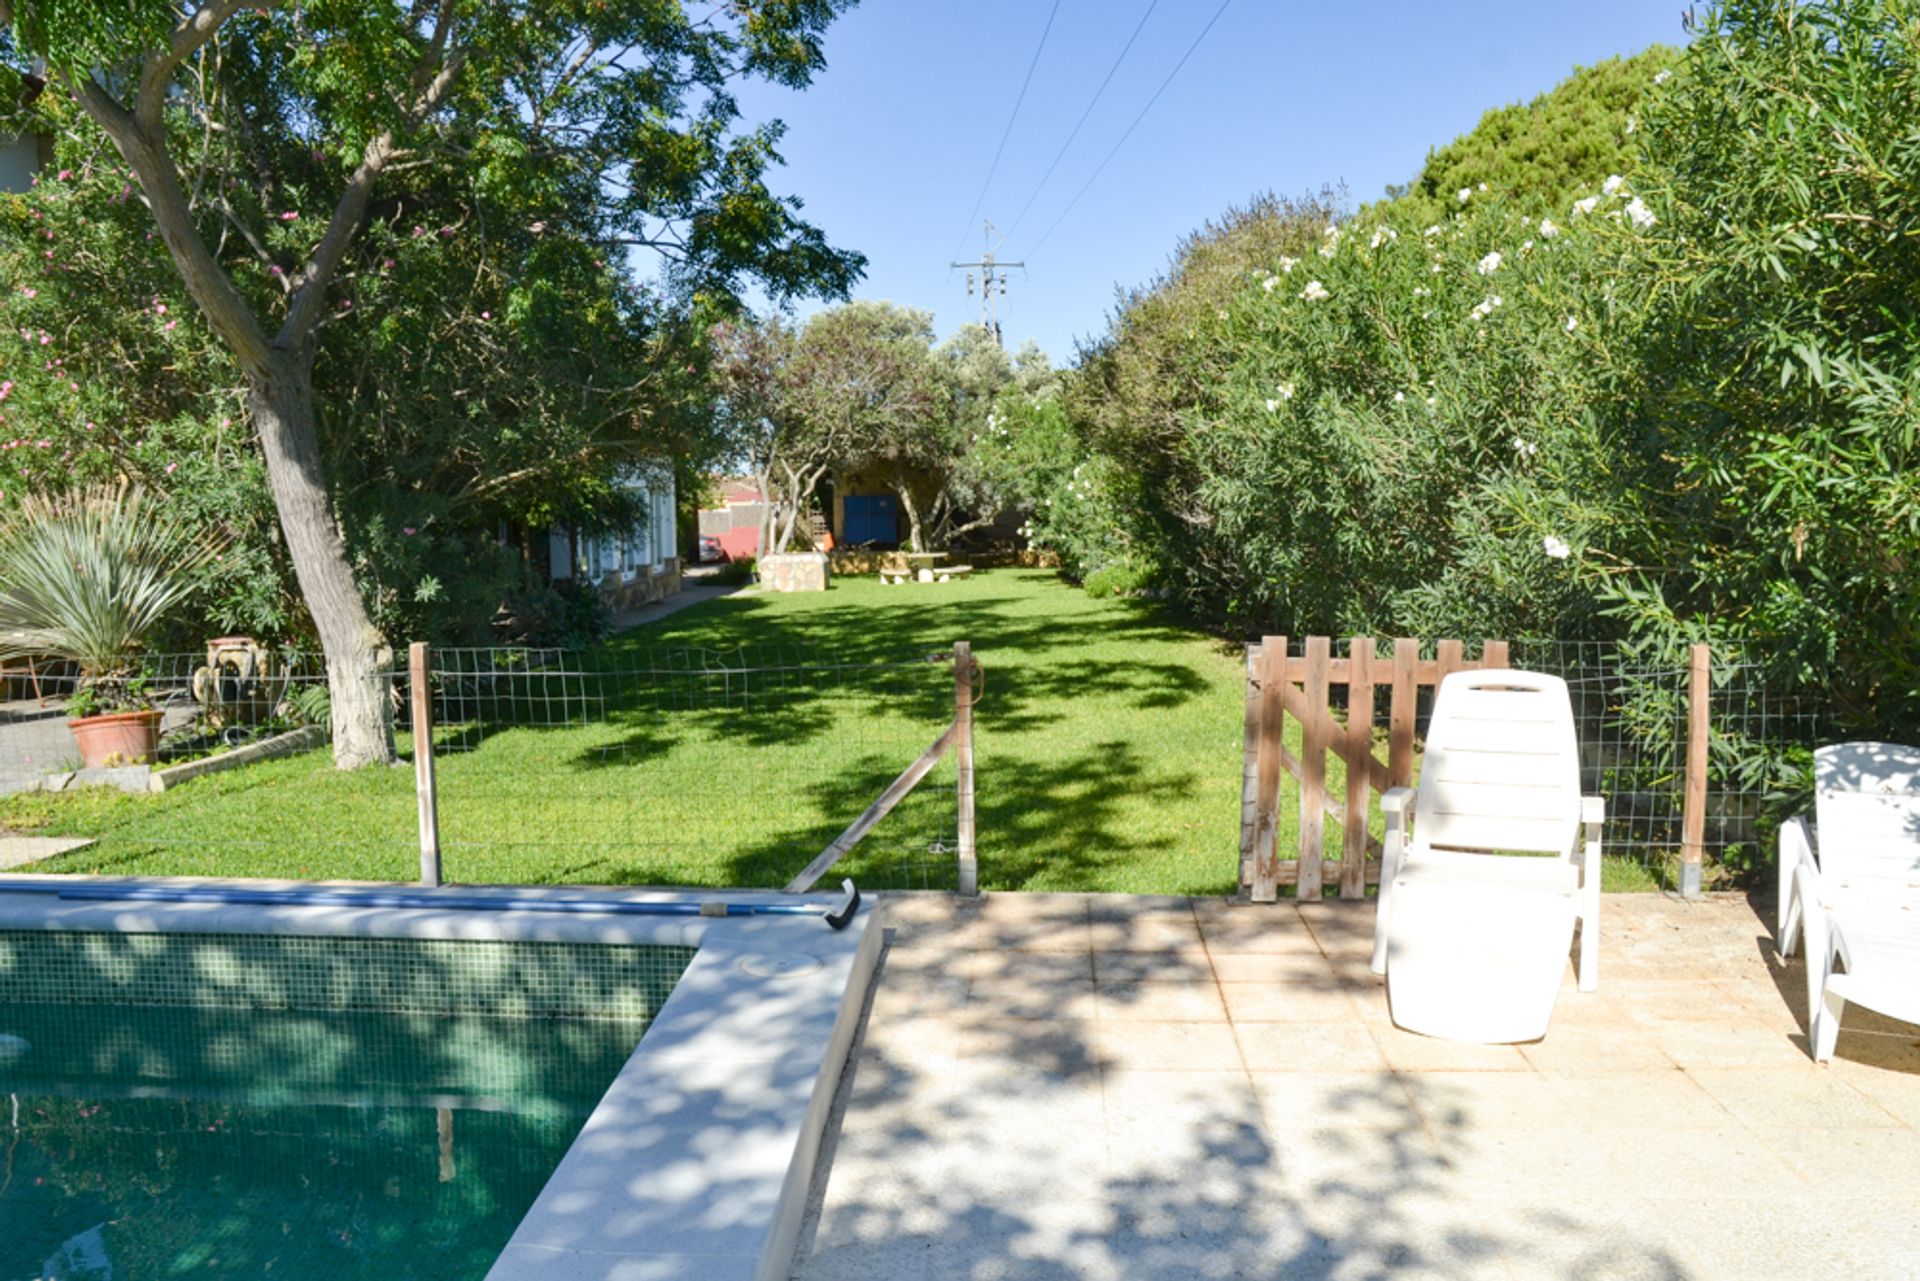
{"type": "Point", "coordinates": [993, 283]}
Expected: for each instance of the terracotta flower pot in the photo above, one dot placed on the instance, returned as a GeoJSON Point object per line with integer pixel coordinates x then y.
{"type": "Point", "coordinates": [117, 738]}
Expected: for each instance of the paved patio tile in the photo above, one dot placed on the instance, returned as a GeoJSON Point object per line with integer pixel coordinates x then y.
{"type": "Point", "coordinates": [1410, 1052]}
{"type": "Point", "coordinates": [1665, 1161]}
{"type": "Point", "coordinates": [1151, 932]}
{"type": "Point", "coordinates": [1071, 1000]}
{"type": "Point", "coordinates": [1377, 1101]}
{"type": "Point", "coordinates": [1186, 964]}
{"type": "Point", "coordinates": [1257, 928]}
{"type": "Point", "coordinates": [1629, 1100]}
{"type": "Point", "coordinates": [1453, 1101]}
{"type": "Point", "coordinates": [1608, 1048]}
{"type": "Point", "coordinates": [1313, 999]}
{"type": "Point", "coordinates": [1548, 1162]}
{"type": "Point", "coordinates": [1168, 1047]}
{"type": "Point", "coordinates": [1039, 966]}
{"type": "Point", "coordinates": [1271, 967]}
{"type": "Point", "coordinates": [1160, 1001]}
{"type": "Point", "coordinates": [1863, 1161]}
{"type": "Point", "coordinates": [1792, 1098]}
{"type": "Point", "coordinates": [1021, 1109]}
{"type": "Point", "coordinates": [1308, 1047]}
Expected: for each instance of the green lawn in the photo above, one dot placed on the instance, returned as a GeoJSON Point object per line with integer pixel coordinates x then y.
{"type": "Point", "coordinates": [1108, 758]}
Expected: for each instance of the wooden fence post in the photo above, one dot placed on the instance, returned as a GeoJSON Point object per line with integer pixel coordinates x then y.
{"type": "Point", "coordinates": [1359, 757]}
{"type": "Point", "coordinates": [1313, 771]}
{"type": "Point", "coordinates": [1271, 710]}
{"type": "Point", "coordinates": [420, 678]}
{"type": "Point", "coordinates": [1694, 812]}
{"type": "Point", "coordinates": [969, 872]}
{"type": "Point", "coordinates": [1250, 770]}
{"type": "Point", "coordinates": [1406, 694]}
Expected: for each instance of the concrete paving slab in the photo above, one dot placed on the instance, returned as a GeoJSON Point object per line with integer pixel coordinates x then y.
{"type": "Point", "coordinates": [19, 851]}
{"type": "Point", "coordinates": [1078, 1115]}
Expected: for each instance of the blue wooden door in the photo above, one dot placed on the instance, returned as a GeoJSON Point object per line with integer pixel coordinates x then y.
{"type": "Point", "coordinates": [870, 518]}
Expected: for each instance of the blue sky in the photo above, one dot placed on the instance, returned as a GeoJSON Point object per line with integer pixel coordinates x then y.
{"type": "Point", "coordinates": [890, 145]}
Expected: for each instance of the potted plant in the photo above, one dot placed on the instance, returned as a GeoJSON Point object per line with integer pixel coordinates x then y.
{"type": "Point", "coordinates": [87, 577]}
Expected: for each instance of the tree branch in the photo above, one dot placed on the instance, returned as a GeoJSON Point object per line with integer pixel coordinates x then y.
{"type": "Point", "coordinates": [431, 79]}
{"type": "Point", "coordinates": [145, 151]}
{"type": "Point", "coordinates": [193, 31]}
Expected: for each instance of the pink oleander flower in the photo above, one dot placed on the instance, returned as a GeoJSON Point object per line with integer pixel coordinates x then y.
{"type": "Point", "coordinates": [407, 530]}
{"type": "Point", "coordinates": [171, 468]}
{"type": "Point", "coordinates": [290, 216]}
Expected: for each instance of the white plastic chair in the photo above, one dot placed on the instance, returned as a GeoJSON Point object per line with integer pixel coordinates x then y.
{"type": "Point", "coordinates": [1854, 897]}
{"type": "Point", "coordinates": [1472, 935]}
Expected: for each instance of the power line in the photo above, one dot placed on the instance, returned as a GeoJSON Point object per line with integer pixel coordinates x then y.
{"type": "Point", "coordinates": [1091, 104]}
{"type": "Point", "coordinates": [1135, 125]}
{"type": "Point", "coordinates": [1008, 131]}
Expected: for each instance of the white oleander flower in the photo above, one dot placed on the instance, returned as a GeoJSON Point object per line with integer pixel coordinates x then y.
{"type": "Point", "coordinates": [1432, 231]}
{"type": "Point", "coordinates": [1489, 264]}
{"type": "Point", "coordinates": [1547, 228]}
{"type": "Point", "coordinates": [1286, 391]}
{"type": "Point", "coordinates": [1663, 77]}
{"type": "Point", "coordinates": [1399, 396]}
{"type": "Point", "coordinates": [1465, 194]}
{"type": "Point", "coordinates": [1269, 283]}
{"type": "Point", "coordinates": [1525, 448]}
{"type": "Point", "coordinates": [1525, 246]}
{"type": "Point", "coordinates": [1287, 264]}
{"type": "Point", "coordinates": [1315, 292]}
{"type": "Point", "coordinates": [1573, 323]}
{"type": "Point", "coordinates": [1555, 548]}
{"type": "Point", "coordinates": [1612, 185]}
{"type": "Point", "coordinates": [1632, 124]}
{"type": "Point", "coordinates": [1434, 270]}
{"type": "Point", "coordinates": [1485, 307]}
{"type": "Point", "coordinates": [1639, 215]}
{"type": "Point", "coordinates": [1272, 406]}
{"type": "Point", "coordinates": [1585, 205]}
{"type": "Point", "coordinates": [1483, 186]}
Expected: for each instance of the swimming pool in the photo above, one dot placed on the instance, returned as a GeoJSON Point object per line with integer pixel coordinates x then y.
{"type": "Point", "coordinates": [347, 1090]}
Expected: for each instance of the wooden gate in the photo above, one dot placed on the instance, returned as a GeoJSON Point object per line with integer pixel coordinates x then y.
{"type": "Point", "coordinates": [1279, 686]}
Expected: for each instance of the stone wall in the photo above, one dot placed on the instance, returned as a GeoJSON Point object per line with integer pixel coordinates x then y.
{"type": "Point", "coordinates": [643, 588]}
{"type": "Point", "coordinates": [794, 572]}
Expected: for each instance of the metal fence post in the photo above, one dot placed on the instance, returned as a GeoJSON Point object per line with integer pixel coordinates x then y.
{"type": "Point", "coordinates": [1693, 817]}
{"type": "Point", "coordinates": [969, 877]}
{"type": "Point", "coordinates": [420, 669]}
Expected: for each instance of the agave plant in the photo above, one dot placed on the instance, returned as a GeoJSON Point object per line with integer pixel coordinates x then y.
{"type": "Point", "coordinates": [87, 577]}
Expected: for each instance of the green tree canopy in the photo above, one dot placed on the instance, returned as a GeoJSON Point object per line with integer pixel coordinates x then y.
{"type": "Point", "coordinates": [292, 159]}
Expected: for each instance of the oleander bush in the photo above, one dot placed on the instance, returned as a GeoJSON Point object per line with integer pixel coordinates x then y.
{"type": "Point", "coordinates": [1672, 401]}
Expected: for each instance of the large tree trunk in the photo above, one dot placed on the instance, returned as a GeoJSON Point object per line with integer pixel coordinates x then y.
{"type": "Point", "coordinates": [281, 401]}
{"type": "Point", "coordinates": [916, 539]}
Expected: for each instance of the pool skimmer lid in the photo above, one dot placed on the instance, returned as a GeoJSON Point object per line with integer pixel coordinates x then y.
{"type": "Point", "coordinates": [768, 965]}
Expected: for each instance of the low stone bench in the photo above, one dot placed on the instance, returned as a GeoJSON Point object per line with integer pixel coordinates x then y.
{"type": "Point", "coordinates": [890, 575]}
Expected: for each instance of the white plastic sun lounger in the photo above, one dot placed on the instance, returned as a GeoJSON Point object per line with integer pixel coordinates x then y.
{"type": "Point", "coordinates": [1472, 935]}
{"type": "Point", "coordinates": [1854, 895]}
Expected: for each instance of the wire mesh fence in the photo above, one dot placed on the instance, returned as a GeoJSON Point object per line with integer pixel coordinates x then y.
{"type": "Point", "coordinates": [611, 765]}
{"type": "Point", "coordinates": [1631, 715]}
{"type": "Point", "coordinates": [230, 695]}
{"type": "Point", "coordinates": [688, 766]}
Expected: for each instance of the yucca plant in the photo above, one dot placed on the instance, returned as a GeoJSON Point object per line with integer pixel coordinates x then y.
{"type": "Point", "coordinates": [87, 576]}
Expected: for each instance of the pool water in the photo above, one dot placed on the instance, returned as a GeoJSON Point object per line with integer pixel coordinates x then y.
{"type": "Point", "coordinates": [161, 1141]}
